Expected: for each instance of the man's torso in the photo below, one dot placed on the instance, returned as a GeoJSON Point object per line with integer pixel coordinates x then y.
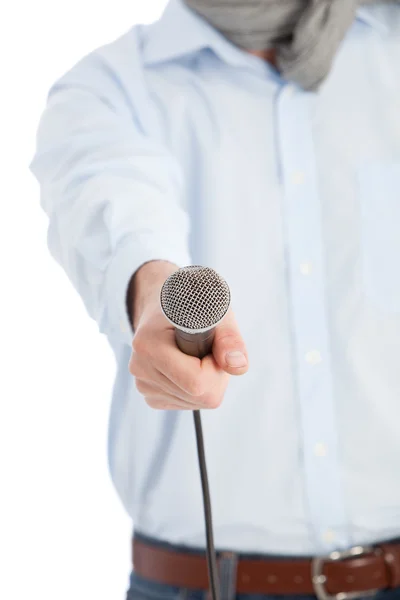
{"type": "Point", "coordinates": [295, 199]}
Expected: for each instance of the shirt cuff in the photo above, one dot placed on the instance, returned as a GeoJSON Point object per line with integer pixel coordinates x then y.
{"type": "Point", "coordinates": [126, 261]}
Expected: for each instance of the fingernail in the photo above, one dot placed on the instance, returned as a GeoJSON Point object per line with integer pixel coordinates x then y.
{"type": "Point", "coordinates": [235, 359]}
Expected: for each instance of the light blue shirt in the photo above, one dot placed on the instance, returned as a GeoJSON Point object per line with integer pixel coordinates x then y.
{"type": "Point", "coordinates": [173, 144]}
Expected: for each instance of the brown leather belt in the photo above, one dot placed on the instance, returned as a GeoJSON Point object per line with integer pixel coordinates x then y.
{"type": "Point", "coordinates": [362, 570]}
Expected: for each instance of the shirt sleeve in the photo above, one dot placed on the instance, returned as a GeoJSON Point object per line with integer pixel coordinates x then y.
{"type": "Point", "coordinates": [112, 192]}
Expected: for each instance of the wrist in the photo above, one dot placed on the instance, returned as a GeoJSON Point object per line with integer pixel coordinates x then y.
{"type": "Point", "coordinates": [145, 287]}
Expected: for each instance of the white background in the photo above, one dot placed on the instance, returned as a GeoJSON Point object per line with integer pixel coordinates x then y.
{"type": "Point", "coordinates": [63, 533]}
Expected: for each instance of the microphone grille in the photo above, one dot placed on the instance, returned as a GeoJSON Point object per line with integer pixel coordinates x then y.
{"type": "Point", "coordinates": [195, 298]}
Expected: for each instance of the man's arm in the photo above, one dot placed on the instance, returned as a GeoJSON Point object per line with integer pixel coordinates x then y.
{"type": "Point", "coordinates": [113, 195]}
{"type": "Point", "coordinates": [118, 227]}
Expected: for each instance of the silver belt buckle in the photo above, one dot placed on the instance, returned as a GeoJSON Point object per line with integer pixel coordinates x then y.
{"type": "Point", "coordinates": [319, 579]}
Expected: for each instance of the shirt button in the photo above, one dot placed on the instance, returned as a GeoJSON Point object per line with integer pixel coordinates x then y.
{"type": "Point", "coordinates": [298, 177]}
{"type": "Point", "coordinates": [305, 268]}
{"type": "Point", "coordinates": [320, 449]}
{"type": "Point", "coordinates": [313, 357]}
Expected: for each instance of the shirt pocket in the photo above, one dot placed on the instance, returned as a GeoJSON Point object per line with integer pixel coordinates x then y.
{"type": "Point", "coordinates": [379, 189]}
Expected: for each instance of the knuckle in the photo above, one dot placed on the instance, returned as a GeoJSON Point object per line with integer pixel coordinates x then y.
{"type": "Point", "coordinates": [213, 401]}
{"type": "Point", "coordinates": [196, 387]}
{"type": "Point", "coordinates": [133, 366]}
{"type": "Point", "coordinates": [139, 344]}
{"type": "Point", "coordinates": [230, 340]}
{"type": "Point", "coordinates": [152, 402]}
{"type": "Point", "coordinates": [156, 403]}
{"type": "Point", "coordinates": [140, 386]}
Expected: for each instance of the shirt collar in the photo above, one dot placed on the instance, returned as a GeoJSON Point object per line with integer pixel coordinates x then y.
{"type": "Point", "coordinates": [375, 16]}
{"type": "Point", "coordinates": [180, 32]}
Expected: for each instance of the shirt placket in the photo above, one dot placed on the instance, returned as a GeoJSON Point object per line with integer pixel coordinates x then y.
{"type": "Point", "coordinates": [309, 319]}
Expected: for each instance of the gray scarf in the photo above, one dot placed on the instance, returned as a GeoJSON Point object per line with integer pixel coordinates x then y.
{"type": "Point", "coordinates": [305, 33]}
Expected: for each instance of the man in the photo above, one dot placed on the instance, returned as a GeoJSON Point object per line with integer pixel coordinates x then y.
{"type": "Point", "coordinates": [262, 139]}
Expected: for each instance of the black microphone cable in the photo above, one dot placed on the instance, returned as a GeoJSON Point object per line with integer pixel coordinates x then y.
{"type": "Point", "coordinates": [211, 554]}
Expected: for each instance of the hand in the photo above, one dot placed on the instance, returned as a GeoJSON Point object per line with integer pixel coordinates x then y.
{"type": "Point", "coordinates": [167, 378]}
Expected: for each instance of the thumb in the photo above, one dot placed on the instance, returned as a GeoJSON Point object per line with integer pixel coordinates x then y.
{"type": "Point", "coordinates": [229, 349]}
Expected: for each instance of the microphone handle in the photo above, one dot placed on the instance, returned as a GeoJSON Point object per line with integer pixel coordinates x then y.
{"type": "Point", "coordinates": [195, 344]}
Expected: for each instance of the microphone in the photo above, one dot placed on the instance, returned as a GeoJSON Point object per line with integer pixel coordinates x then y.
{"type": "Point", "coordinates": [195, 300]}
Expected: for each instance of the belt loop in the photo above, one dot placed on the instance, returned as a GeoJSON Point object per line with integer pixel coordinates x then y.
{"type": "Point", "coordinates": [391, 558]}
{"type": "Point", "coordinates": [228, 562]}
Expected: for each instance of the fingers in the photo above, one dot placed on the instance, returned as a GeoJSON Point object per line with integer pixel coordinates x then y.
{"type": "Point", "coordinates": [194, 377]}
{"type": "Point", "coordinates": [158, 390]}
{"type": "Point", "coordinates": [229, 349]}
{"type": "Point", "coordinates": [158, 399]}
{"type": "Point", "coordinates": [144, 371]}
{"type": "Point", "coordinates": [170, 380]}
